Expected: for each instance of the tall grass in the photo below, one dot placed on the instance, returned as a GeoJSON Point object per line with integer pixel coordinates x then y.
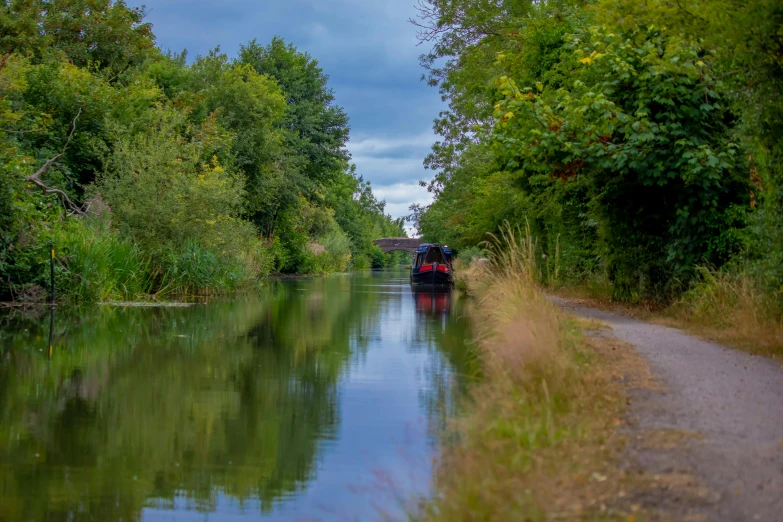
{"type": "Point", "coordinates": [512, 253]}
{"type": "Point", "coordinates": [97, 264]}
{"type": "Point", "coordinates": [734, 306]}
{"type": "Point", "coordinates": [198, 270]}
{"type": "Point", "coordinates": [530, 410]}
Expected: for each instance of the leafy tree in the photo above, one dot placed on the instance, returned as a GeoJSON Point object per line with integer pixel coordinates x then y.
{"type": "Point", "coordinates": [465, 38]}
{"type": "Point", "coordinates": [613, 131]}
{"type": "Point", "coordinates": [194, 199]}
{"type": "Point", "coordinates": [250, 106]}
{"type": "Point", "coordinates": [746, 46]}
{"type": "Point", "coordinates": [362, 217]}
{"type": "Point", "coordinates": [202, 173]}
{"type": "Point", "coordinates": [316, 130]}
{"type": "Point", "coordinates": [652, 131]}
{"type": "Point", "coordinates": [12, 163]}
{"type": "Point", "coordinates": [105, 35]}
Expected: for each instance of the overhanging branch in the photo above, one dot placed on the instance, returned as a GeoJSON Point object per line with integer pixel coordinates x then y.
{"type": "Point", "coordinates": [35, 179]}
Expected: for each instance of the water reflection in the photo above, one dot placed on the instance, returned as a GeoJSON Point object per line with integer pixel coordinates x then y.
{"type": "Point", "coordinates": [435, 302]}
{"type": "Point", "coordinates": [313, 400]}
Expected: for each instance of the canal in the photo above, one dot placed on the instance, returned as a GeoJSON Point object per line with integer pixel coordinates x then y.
{"type": "Point", "coordinates": [311, 399]}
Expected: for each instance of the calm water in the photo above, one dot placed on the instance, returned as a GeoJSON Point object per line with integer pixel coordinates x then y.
{"type": "Point", "coordinates": [310, 400]}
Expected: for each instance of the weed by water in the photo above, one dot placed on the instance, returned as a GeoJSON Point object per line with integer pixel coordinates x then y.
{"type": "Point", "coordinates": [532, 434]}
{"type": "Point", "coordinates": [196, 270]}
{"type": "Point", "coordinates": [96, 264]}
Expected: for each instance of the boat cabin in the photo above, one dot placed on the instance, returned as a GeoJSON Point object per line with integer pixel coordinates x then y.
{"type": "Point", "coordinates": [432, 265]}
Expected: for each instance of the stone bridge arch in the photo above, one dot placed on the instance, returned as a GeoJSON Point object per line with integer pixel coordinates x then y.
{"type": "Point", "coordinates": [390, 244]}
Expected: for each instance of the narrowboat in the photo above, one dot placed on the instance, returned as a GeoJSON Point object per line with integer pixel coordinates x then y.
{"type": "Point", "coordinates": [432, 266]}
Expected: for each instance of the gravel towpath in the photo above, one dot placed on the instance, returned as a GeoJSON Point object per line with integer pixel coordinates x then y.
{"type": "Point", "coordinates": [731, 400]}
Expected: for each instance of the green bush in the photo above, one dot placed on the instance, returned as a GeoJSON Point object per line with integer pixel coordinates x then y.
{"type": "Point", "coordinates": [466, 255]}
{"type": "Point", "coordinates": [361, 262]}
{"type": "Point", "coordinates": [639, 140]}
{"type": "Point", "coordinates": [166, 191]}
{"type": "Point", "coordinates": [377, 257]}
{"type": "Point", "coordinates": [667, 182]}
{"type": "Point", "coordinates": [338, 246]}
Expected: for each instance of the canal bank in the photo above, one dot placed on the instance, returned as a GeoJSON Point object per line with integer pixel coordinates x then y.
{"type": "Point", "coordinates": [537, 439]}
{"type": "Point", "coordinates": [584, 414]}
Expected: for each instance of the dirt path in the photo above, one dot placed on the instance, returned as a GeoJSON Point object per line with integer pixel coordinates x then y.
{"type": "Point", "coordinates": [729, 407]}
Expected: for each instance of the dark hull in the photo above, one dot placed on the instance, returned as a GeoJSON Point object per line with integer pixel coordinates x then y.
{"type": "Point", "coordinates": [431, 278]}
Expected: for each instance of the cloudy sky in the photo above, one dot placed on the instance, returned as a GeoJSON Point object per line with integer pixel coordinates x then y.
{"type": "Point", "coordinates": [368, 49]}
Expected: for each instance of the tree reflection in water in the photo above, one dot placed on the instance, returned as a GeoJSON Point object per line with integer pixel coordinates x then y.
{"type": "Point", "coordinates": [168, 407]}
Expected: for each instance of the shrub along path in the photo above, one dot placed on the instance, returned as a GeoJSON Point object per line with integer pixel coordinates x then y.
{"type": "Point", "coordinates": [724, 410]}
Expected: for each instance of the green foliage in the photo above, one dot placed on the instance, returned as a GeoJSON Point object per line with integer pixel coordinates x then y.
{"type": "Point", "coordinates": [361, 262]}
{"type": "Point", "coordinates": [96, 264]}
{"type": "Point", "coordinates": [651, 132]}
{"type": "Point", "coordinates": [12, 82]}
{"type": "Point", "coordinates": [189, 219]}
{"type": "Point", "coordinates": [338, 246]}
{"type": "Point", "coordinates": [469, 254]}
{"type": "Point", "coordinates": [208, 175]}
{"type": "Point", "coordinates": [105, 35]}
{"type": "Point", "coordinates": [330, 248]}
{"type": "Point", "coordinates": [377, 258]}
{"type": "Point", "coordinates": [363, 218]}
{"type": "Point", "coordinates": [250, 106]}
{"type": "Point", "coordinates": [194, 269]}
{"type": "Point", "coordinates": [615, 131]}
{"type": "Point", "coordinates": [467, 36]}
{"type": "Point", "coordinates": [314, 126]}
{"type": "Point", "coordinates": [745, 42]}
{"type": "Point", "coordinates": [196, 198]}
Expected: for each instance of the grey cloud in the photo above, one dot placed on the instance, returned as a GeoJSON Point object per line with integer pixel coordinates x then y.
{"type": "Point", "coordinates": [388, 171]}
{"type": "Point", "coordinates": [368, 49]}
{"type": "Point", "coordinates": [376, 146]}
{"type": "Point", "coordinates": [403, 193]}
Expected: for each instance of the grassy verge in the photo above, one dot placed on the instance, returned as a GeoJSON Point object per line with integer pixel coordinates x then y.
{"type": "Point", "coordinates": [725, 306]}
{"type": "Point", "coordinates": [730, 307]}
{"type": "Point", "coordinates": [537, 440]}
